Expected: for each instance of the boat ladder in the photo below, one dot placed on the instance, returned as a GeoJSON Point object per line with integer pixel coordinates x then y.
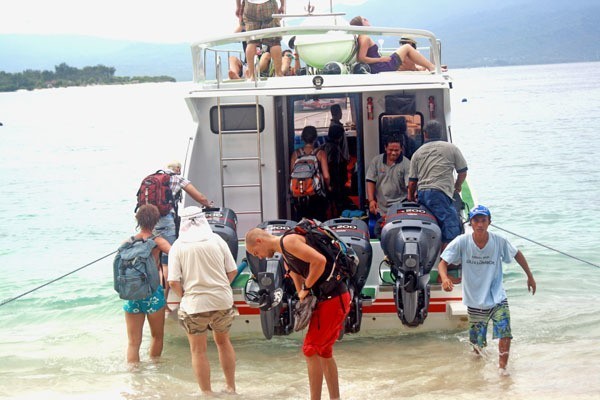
{"type": "Point", "coordinates": [256, 156]}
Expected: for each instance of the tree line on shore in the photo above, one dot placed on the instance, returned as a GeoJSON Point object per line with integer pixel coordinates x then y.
{"type": "Point", "coordinates": [65, 75]}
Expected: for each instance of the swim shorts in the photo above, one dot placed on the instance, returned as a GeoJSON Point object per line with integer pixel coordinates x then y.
{"type": "Point", "coordinates": [325, 325]}
{"type": "Point", "coordinates": [479, 319]}
{"type": "Point", "coordinates": [197, 324]}
{"type": "Point", "coordinates": [149, 305]}
{"type": "Point", "coordinates": [259, 16]}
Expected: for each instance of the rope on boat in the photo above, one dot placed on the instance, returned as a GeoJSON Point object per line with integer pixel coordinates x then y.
{"type": "Point", "coordinates": [54, 280]}
{"type": "Point", "coordinates": [548, 247]}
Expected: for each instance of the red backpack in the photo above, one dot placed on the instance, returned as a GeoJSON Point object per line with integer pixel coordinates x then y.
{"type": "Point", "coordinates": [156, 189]}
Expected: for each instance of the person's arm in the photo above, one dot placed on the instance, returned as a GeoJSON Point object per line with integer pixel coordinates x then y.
{"type": "Point", "coordinates": [176, 287]}
{"type": "Point", "coordinates": [459, 181]}
{"type": "Point", "coordinates": [531, 286]}
{"type": "Point", "coordinates": [371, 197]}
{"type": "Point", "coordinates": [324, 168]}
{"type": "Point", "coordinates": [238, 8]}
{"type": "Point", "coordinates": [282, 8]}
{"type": "Point", "coordinates": [196, 195]}
{"type": "Point", "coordinates": [447, 284]}
{"type": "Point", "coordinates": [412, 189]}
{"type": "Point", "coordinates": [364, 42]}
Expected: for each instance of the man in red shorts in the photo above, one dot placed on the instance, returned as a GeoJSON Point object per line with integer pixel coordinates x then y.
{"type": "Point", "coordinates": [309, 269]}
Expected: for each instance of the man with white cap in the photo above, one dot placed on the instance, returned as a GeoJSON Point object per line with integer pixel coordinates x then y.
{"type": "Point", "coordinates": [201, 269]}
{"type": "Point", "coordinates": [481, 254]}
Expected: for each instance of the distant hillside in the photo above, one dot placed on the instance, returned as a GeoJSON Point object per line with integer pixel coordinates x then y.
{"type": "Point", "coordinates": [20, 52]}
{"type": "Point", "coordinates": [473, 33]}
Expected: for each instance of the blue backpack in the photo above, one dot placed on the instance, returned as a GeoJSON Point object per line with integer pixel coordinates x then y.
{"type": "Point", "coordinates": [134, 269]}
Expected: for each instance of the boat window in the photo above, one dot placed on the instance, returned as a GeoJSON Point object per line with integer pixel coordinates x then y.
{"type": "Point", "coordinates": [412, 140]}
{"type": "Point", "coordinates": [238, 118]}
{"type": "Point", "coordinates": [317, 112]}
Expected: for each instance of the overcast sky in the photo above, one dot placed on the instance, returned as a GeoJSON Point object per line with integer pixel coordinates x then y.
{"type": "Point", "coordinates": [148, 20]}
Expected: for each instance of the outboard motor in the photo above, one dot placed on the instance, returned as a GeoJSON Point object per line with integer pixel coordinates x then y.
{"type": "Point", "coordinates": [223, 222]}
{"type": "Point", "coordinates": [355, 234]}
{"type": "Point", "coordinates": [269, 289]}
{"type": "Point", "coordinates": [411, 241]}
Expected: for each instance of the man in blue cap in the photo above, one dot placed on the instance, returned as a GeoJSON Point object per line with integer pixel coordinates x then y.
{"type": "Point", "coordinates": [481, 254]}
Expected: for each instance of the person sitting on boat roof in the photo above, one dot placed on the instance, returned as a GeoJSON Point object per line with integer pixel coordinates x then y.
{"type": "Point", "coordinates": [368, 53]}
{"type": "Point", "coordinates": [258, 14]}
{"type": "Point", "coordinates": [431, 177]}
{"type": "Point", "coordinates": [286, 63]}
{"type": "Point", "coordinates": [481, 254]}
{"type": "Point", "coordinates": [238, 69]}
{"type": "Point", "coordinates": [387, 176]}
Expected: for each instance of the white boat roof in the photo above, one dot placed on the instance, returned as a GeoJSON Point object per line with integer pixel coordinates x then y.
{"type": "Point", "coordinates": [211, 86]}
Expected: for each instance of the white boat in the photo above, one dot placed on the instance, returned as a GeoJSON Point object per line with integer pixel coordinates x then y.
{"type": "Point", "coordinates": [241, 156]}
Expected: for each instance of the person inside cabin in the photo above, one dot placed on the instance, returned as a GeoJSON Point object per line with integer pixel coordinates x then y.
{"type": "Point", "coordinates": [387, 177]}
{"type": "Point", "coordinates": [258, 14]}
{"type": "Point", "coordinates": [153, 307]}
{"type": "Point", "coordinates": [481, 254]}
{"type": "Point", "coordinates": [336, 119]}
{"type": "Point", "coordinates": [313, 205]}
{"type": "Point", "coordinates": [368, 53]}
{"type": "Point", "coordinates": [431, 179]}
{"type": "Point", "coordinates": [338, 171]}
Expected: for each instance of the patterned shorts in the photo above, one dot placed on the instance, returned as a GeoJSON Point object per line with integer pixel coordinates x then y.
{"type": "Point", "coordinates": [479, 319]}
{"type": "Point", "coordinates": [149, 305]}
{"type": "Point", "coordinates": [218, 321]}
{"type": "Point", "coordinates": [259, 16]}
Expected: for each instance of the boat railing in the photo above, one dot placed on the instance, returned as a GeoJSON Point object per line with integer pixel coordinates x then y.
{"type": "Point", "coordinates": [212, 50]}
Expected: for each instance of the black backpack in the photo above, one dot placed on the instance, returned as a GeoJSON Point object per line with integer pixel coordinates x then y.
{"type": "Point", "coordinates": [341, 256]}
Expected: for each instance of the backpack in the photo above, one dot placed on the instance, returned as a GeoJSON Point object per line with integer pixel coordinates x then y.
{"type": "Point", "coordinates": [134, 269]}
{"type": "Point", "coordinates": [338, 254]}
{"type": "Point", "coordinates": [306, 178]}
{"type": "Point", "coordinates": [156, 189]}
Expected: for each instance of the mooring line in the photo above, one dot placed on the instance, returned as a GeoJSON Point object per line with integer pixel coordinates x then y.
{"type": "Point", "coordinates": [548, 247]}
{"type": "Point", "coordinates": [54, 280]}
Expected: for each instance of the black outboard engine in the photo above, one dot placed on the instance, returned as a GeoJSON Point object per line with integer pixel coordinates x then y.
{"type": "Point", "coordinates": [355, 234]}
{"type": "Point", "coordinates": [269, 289]}
{"type": "Point", "coordinates": [223, 222]}
{"type": "Point", "coordinates": [411, 241]}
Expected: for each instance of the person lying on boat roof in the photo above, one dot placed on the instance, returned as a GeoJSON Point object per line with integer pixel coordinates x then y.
{"type": "Point", "coordinates": [258, 14]}
{"type": "Point", "coordinates": [368, 53]}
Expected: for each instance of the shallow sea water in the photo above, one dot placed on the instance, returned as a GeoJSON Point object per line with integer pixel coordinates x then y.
{"type": "Point", "coordinates": [71, 161]}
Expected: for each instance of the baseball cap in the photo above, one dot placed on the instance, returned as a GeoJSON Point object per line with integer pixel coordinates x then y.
{"type": "Point", "coordinates": [479, 210]}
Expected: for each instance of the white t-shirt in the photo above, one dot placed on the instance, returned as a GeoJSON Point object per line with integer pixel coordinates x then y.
{"type": "Point", "coordinates": [481, 268]}
{"type": "Point", "coordinates": [202, 268]}
{"type": "Point", "coordinates": [257, 1]}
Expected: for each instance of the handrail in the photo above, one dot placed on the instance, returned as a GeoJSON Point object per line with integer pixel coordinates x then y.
{"type": "Point", "coordinates": [199, 48]}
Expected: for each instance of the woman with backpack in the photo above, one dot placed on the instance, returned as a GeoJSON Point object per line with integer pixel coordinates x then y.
{"type": "Point", "coordinates": [309, 190]}
{"type": "Point", "coordinates": [152, 307]}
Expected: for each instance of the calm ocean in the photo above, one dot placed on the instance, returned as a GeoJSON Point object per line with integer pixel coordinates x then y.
{"type": "Point", "coordinates": [72, 159]}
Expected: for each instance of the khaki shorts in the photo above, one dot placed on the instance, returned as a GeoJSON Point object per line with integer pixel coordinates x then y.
{"type": "Point", "coordinates": [218, 321]}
